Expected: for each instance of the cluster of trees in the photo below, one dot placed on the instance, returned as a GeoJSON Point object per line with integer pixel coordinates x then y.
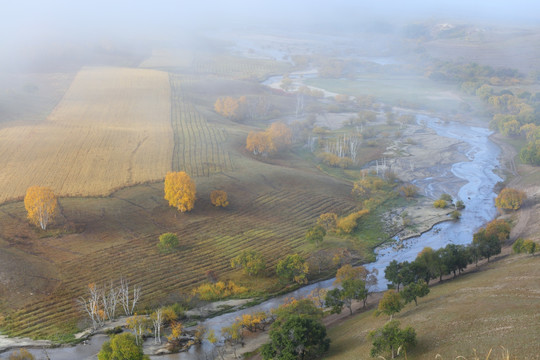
{"type": "Point", "coordinates": [353, 285]}
{"type": "Point", "coordinates": [277, 137]}
{"type": "Point", "coordinates": [525, 246]}
{"type": "Point", "coordinates": [180, 192]}
{"type": "Point", "coordinates": [102, 302]}
{"type": "Point", "coordinates": [244, 107]}
{"type": "Point", "coordinates": [432, 264]}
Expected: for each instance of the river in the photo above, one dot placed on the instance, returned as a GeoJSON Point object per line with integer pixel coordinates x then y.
{"type": "Point", "coordinates": [477, 194]}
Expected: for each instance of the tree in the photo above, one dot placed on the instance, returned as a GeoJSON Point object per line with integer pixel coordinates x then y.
{"type": "Point", "coordinates": [260, 143]}
{"type": "Point", "coordinates": [252, 262]}
{"type": "Point", "coordinates": [328, 221]}
{"type": "Point", "coordinates": [390, 338]}
{"type": "Point", "coordinates": [227, 107]}
{"type": "Point", "coordinates": [41, 205]}
{"type": "Point", "coordinates": [487, 245]}
{"type": "Point", "coordinates": [168, 242]}
{"type": "Point", "coordinates": [22, 354]}
{"type": "Point", "coordinates": [415, 290]}
{"type": "Point", "coordinates": [180, 190]}
{"type": "Point", "coordinates": [390, 303]}
{"type": "Point", "coordinates": [440, 204]}
{"type": "Point", "coordinates": [524, 246]}
{"type": "Point", "coordinates": [510, 199]}
{"type": "Point", "coordinates": [122, 347]}
{"type": "Point", "coordinates": [351, 289]}
{"type": "Point", "coordinates": [426, 261]}
{"type": "Point", "coordinates": [140, 325]}
{"type": "Point", "coordinates": [281, 135]}
{"type": "Point", "coordinates": [409, 190]}
{"type": "Point", "coordinates": [293, 268]}
{"type": "Point", "coordinates": [316, 234]}
{"type": "Point", "coordinates": [296, 338]}
{"type": "Point", "coordinates": [157, 323]}
{"type": "Point", "coordinates": [219, 198]}
{"type": "Point", "coordinates": [391, 273]}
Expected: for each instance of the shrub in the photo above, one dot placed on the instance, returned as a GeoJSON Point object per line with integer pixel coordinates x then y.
{"type": "Point", "coordinates": [348, 223]}
{"type": "Point", "coordinates": [219, 198]}
{"type": "Point", "coordinates": [440, 204]}
{"type": "Point", "coordinates": [219, 290]}
{"type": "Point", "coordinates": [510, 199]}
{"type": "Point", "coordinates": [168, 242]}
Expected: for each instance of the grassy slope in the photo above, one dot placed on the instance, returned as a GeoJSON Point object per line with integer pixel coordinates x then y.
{"type": "Point", "coordinates": [497, 306]}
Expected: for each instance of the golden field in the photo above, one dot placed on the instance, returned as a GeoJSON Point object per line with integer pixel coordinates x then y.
{"type": "Point", "coordinates": [112, 128]}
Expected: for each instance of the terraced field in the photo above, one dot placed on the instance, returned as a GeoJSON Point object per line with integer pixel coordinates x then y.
{"type": "Point", "coordinates": [198, 146]}
{"type": "Point", "coordinates": [273, 223]}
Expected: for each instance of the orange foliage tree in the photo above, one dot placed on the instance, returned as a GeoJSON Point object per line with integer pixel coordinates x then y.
{"type": "Point", "coordinates": [227, 107]}
{"type": "Point", "coordinates": [219, 198]}
{"type": "Point", "coordinates": [41, 205]}
{"type": "Point", "coordinates": [281, 135]}
{"type": "Point", "coordinates": [260, 142]}
{"type": "Point", "coordinates": [276, 138]}
{"type": "Point", "coordinates": [511, 199]}
{"type": "Point", "coordinates": [180, 190]}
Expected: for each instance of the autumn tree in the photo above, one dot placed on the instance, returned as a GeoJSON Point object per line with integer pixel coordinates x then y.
{"type": "Point", "coordinates": [524, 246]}
{"type": "Point", "coordinates": [219, 198]}
{"type": "Point", "coordinates": [293, 268]}
{"type": "Point", "coordinates": [227, 107]}
{"type": "Point", "coordinates": [281, 135]}
{"type": "Point", "coordinates": [390, 303]}
{"type": "Point", "coordinates": [328, 221]}
{"type": "Point", "coordinates": [510, 199]}
{"type": "Point", "coordinates": [180, 190]}
{"type": "Point", "coordinates": [168, 242]}
{"type": "Point", "coordinates": [41, 205]}
{"type": "Point", "coordinates": [252, 262]}
{"type": "Point", "coordinates": [260, 143]}
{"type": "Point", "coordinates": [409, 190]}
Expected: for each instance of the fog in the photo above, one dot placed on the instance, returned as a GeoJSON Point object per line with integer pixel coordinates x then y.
{"type": "Point", "coordinates": [71, 32]}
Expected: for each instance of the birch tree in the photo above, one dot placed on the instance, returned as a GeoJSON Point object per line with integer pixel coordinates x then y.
{"type": "Point", "coordinates": [128, 302]}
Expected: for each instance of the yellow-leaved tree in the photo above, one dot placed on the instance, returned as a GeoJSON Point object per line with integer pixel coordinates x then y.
{"type": "Point", "coordinates": [180, 190]}
{"type": "Point", "coordinates": [41, 205]}
{"type": "Point", "coordinates": [219, 198]}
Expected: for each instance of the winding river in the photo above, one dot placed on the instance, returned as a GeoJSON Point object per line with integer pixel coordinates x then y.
{"type": "Point", "coordinates": [477, 194]}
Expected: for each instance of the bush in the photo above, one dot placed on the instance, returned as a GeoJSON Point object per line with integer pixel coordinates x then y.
{"type": "Point", "coordinates": [510, 199]}
{"type": "Point", "coordinates": [440, 204]}
{"type": "Point", "coordinates": [219, 290]}
{"type": "Point", "coordinates": [168, 242]}
{"type": "Point", "coordinates": [219, 198]}
{"type": "Point", "coordinates": [348, 223]}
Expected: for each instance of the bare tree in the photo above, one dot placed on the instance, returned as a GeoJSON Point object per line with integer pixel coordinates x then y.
{"type": "Point", "coordinates": [128, 304]}
{"type": "Point", "coordinates": [109, 300]}
{"type": "Point", "coordinates": [157, 322]}
{"type": "Point", "coordinates": [91, 305]}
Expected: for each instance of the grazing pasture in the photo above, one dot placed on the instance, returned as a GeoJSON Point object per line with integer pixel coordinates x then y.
{"type": "Point", "coordinates": [111, 129]}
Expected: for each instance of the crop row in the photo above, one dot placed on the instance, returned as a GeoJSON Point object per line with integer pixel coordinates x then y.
{"type": "Point", "coordinates": [198, 146]}
{"type": "Point", "coordinates": [274, 224]}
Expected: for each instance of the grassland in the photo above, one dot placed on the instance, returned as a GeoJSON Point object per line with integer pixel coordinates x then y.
{"type": "Point", "coordinates": [497, 306]}
{"type": "Point", "coordinates": [111, 129]}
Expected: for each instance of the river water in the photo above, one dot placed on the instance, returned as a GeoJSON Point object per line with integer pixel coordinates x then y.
{"type": "Point", "coordinates": [477, 194]}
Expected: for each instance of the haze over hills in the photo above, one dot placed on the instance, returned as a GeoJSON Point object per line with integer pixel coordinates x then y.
{"type": "Point", "coordinates": [326, 130]}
